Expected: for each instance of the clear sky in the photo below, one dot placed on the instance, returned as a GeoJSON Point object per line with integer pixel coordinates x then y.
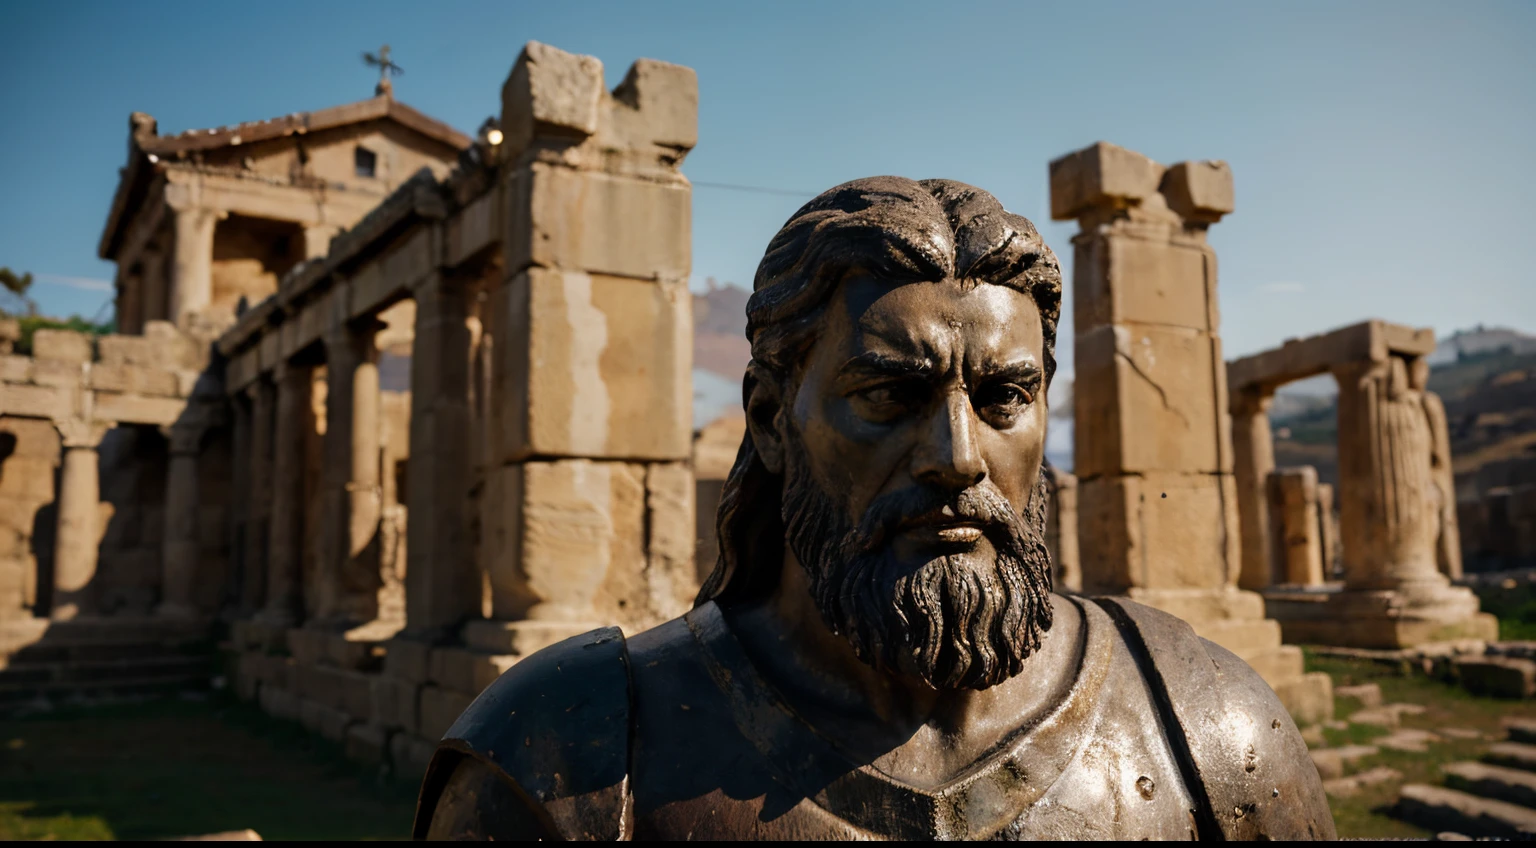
{"type": "Point", "coordinates": [1382, 151]}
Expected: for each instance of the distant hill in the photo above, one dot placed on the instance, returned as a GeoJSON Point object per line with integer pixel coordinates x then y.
{"type": "Point", "coordinates": [720, 330]}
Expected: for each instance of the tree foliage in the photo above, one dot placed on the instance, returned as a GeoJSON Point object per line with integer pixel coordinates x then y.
{"type": "Point", "coordinates": [14, 283]}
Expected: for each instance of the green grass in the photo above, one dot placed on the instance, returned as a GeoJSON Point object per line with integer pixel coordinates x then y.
{"type": "Point", "coordinates": [178, 768]}
{"type": "Point", "coordinates": [1515, 607]}
{"type": "Point", "coordinates": [1366, 814]}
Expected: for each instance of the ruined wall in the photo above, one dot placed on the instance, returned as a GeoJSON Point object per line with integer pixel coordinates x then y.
{"type": "Point", "coordinates": [29, 462]}
{"type": "Point", "coordinates": [133, 470]}
{"type": "Point", "coordinates": [249, 256]}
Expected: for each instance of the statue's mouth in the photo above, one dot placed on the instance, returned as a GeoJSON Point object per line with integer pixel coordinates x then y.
{"type": "Point", "coordinates": [944, 526]}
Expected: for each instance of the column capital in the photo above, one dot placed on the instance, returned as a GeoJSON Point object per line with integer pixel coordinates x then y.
{"type": "Point", "coordinates": [1251, 400]}
{"type": "Point", "coordinates": [81, 433]}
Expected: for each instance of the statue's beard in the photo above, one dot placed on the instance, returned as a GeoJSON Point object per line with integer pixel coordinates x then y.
{"type": "Point", "coordinates": [957, 621]}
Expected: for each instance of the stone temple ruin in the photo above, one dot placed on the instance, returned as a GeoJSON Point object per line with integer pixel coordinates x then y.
{"type": "Point", "coordinates": [1397, 507]}
{"type": "Point", "coordinates": [1155, 489]}
{"type": "Point", "coordinates": [393, 407]}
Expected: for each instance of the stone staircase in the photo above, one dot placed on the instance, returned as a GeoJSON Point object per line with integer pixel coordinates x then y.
{"type": "Point", "coordinates": [52, 664]}
{"type": "Point", "coordinates": [1493, 798]}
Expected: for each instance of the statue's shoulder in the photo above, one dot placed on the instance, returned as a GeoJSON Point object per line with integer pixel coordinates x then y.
{"type": "Point", "coordinates": [1241, 754]}
{"type": "Point", "coordinates": [543, 751]}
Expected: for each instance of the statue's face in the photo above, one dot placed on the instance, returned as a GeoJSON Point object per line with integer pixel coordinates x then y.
{"type": "Point", "coordinates": [916, 430]}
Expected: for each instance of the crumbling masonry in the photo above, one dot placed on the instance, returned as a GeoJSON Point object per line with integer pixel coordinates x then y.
{"type": "Point", "coordinates": [1156, 498]}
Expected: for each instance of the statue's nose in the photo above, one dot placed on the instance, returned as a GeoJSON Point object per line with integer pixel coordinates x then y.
{"type": "Point", "coordinates": [950, 457]}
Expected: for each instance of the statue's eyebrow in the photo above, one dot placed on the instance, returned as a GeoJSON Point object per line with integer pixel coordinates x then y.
{"type": "Point", "coordinates": [877, 364]}
{"type": "Point", "coordinates": [1024, 371]}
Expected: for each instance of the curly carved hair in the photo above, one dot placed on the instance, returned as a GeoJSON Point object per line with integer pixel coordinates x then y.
{"type": "Point", "coordinates": [899, 230]}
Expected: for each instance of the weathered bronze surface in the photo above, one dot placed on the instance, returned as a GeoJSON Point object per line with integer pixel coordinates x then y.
{"type": "Point", "coordinates": [878, 653]}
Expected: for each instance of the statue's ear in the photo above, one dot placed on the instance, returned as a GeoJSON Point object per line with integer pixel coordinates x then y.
{"type": "Point", "coordinates": [760, 395]}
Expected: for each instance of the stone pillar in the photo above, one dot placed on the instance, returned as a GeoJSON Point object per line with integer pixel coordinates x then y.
{"type": "Point", "coordinates": [191, 281]}
{"type": "Point", "coordinates": [1448, 541]}
{"type": "Point", "coordinates": [1297, 549]}
{"type": "Point", "coordinates": [294, 421]}
{"type": "Point", "coordinates": [179, 543]}
{"type": "Point", "coordinates": [1391, 514]}
{"type": "Point", "coordinates": [1388, 518]}
{"type": "Point", "coordinates": [1328, 530]}
{"type": "Point", "coordinates": [240, 499]}
{"type": "Point", "coordinates": [1253, 458]}
{"type": "Point", "coordinates": [1157, 497]}
{"type": "Point", "coordinates": [442, 582]}
{"type": "Point", "coordinates": [591, 443]}
{"type": "Point", "coordinates": [262, 398]}
{"type": "Point", "coordinates": [1061, 530]}
{"type": "Point", "coordinates": [349, 587]}
{"type": "Point", "coordinates": [78, 536]}
{"type": "Point", "coordinates": [156, 286]}
{"type": "Point", "coordinates": [130, 301]}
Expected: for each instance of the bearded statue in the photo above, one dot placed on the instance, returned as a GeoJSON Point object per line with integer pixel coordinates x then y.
{"type": "Point", "coordinates": [878, 653]}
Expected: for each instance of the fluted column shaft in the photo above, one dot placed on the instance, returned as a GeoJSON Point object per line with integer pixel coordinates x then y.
{"type": "Point", "coordinates": [1388, 522]}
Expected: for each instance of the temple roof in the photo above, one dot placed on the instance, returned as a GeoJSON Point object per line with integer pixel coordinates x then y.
{"type": "Point", "coordinates": [304, 122]}
{"type": "Point", "coordinates": [146, 148]}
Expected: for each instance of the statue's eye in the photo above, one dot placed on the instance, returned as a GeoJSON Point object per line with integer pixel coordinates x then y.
{"type": "Point", "coordinates": [1002, 401]}
{"type": "Point", "coordinates": [886, 401]}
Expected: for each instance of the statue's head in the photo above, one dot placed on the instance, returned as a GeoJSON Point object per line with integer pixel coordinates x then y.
{"type": "Point", "coordinates": [903, 338]}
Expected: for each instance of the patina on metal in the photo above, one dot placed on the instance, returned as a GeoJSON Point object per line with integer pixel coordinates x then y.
{"type": "Point", "coordinates": [878, 653]}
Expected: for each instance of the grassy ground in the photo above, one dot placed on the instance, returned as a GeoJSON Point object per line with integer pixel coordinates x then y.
{"type": "Point", "coordinates": [1515, 605]}
{"type": "Point", "coordinates": [1365, 814]}
{"type": "Point", "coordinates": [180, 768]}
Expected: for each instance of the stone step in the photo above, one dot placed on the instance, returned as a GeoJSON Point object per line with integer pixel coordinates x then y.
{"type": "Point", "coordinates": [1521, 730]}
{"type": "Point", "coordinates": [1344, 787]}
{"type": "Point", "coordinates": [1281, 663]}
{"type": "Point", "coordinates": [1512, 755]}
{"type": "Point", "coordinates": [1501, 784]}
{"type": "Point", "coordinates": [1337, 762]}
{"type": "Point", "coordinates": [1250, 638]}
{"type": "Point", "coordinates": [1367, 695]}
{"type": "Point", "coordinates": [1499, 677]}
{"type": "Point", "coordinates": [1436, 808]}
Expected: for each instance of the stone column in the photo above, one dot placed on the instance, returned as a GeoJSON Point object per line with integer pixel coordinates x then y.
{"type": "Point", "coordinates": [1157, 496]}
{"type": "Point", "coordinates": [1327, 530]}
{"type": "Point", "coordinates": [590, 493]}
{"type": "Point", "coordinates": [1061, 531]}
{"type": "Point", "coordinates": [130, 301]}
{"type": "Point", "coordinates": [294, 421]}
{"type": "Point", "coordinates": [240, 498]}
{"type": "Point", "coordinates": [351, 476]}
{"type": "Point", "coordinates": [442, 582]}
{"type": "Point", "coordinates": [262, 399]}
{"type": "Point", "coordinates": [78, 536]}
{"type": "Point", "coordinates": [1253, 458]}
{"type": "Point", "coordinates": [179, 544]}
{"type": "Point", "coordinates": [1297, 550]}
{"type": "Point", "coordinates": [1448, 542]}
{"type": "Point", "coordinates": [1388, 518]}
{"type": "Point", "coordinates": [191, 283]}
{"type": "Point", "coordinates": [155, 306]}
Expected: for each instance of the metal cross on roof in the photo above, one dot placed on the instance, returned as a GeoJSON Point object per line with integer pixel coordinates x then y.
{"type": "Point", "coordinates": [386, 67]}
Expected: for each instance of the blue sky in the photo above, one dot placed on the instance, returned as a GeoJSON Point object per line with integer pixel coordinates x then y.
{"type": "Point", "coordinates": [1382, 150]}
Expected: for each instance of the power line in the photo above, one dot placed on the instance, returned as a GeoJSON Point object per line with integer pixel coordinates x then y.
{"type": "Point", "coordinates": [755, 189]}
